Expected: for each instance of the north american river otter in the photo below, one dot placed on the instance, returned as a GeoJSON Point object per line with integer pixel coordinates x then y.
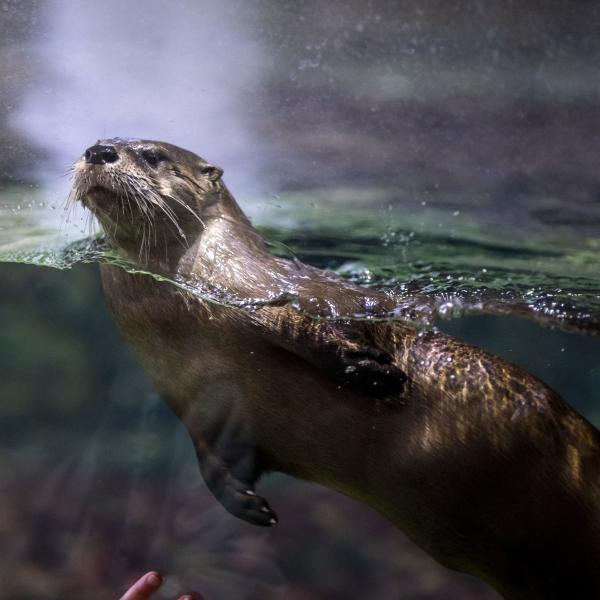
{"type": "Point", "coordinates": [478, 461]}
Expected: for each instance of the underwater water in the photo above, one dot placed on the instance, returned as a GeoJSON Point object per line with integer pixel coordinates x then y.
{"type": "Point", "coordinates": [116, 486]}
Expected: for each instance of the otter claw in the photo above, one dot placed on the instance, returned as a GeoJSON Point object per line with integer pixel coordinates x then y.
{"type": "Point", "coordinates": [230, 475]}
{"type": "Point", "coordinates": [251, 508]}
{"type": "Point", "coordinates": [241, 501]}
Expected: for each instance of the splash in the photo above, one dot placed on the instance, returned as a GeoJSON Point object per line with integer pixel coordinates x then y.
{"type": "Point", "coordinates": [430, 267]}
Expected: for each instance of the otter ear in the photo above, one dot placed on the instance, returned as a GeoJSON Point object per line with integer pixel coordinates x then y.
{"type": "Point", "coordinates": [212, 172]}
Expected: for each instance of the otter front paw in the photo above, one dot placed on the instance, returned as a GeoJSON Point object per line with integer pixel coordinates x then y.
{"type": "Point", "coordinates": [371, 372]}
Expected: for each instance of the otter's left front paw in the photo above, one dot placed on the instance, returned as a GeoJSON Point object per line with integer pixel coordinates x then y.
{"type": "Point", "coordinates": [373, 373]}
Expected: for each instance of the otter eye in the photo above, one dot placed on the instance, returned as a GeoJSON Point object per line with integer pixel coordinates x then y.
{"type": "Point", "coordinates": [153, 158]}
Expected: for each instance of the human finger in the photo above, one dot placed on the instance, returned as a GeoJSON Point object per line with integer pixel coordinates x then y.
{"type": "Point", "coordinates": [144, 587]}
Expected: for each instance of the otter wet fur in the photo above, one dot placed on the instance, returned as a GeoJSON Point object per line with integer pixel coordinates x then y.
{"type": "Point", "coordinates": [479, 462]}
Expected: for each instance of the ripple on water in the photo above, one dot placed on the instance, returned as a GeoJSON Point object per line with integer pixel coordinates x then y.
{"type": "Point", "coordinates": [433, 265]}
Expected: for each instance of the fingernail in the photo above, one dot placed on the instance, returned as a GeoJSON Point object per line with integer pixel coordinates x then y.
{"type": "Point", "coordinates": [154, 579]}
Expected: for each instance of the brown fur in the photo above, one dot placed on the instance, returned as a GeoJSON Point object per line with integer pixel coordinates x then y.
{"type": "Point", "coordinates": [476, 460]}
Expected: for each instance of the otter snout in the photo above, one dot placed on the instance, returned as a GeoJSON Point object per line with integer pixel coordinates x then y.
{"type": "Point", "coordinates": [101, 154]}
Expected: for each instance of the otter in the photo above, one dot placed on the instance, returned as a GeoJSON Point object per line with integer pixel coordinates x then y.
{"type": "Point", "coordinates": [476, 460]}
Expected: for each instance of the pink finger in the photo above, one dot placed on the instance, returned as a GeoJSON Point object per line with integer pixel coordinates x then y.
{"type": "Point", "coordinates": [144, 587]}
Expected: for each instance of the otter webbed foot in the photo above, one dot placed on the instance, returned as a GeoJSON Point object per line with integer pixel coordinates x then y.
{"type": "Point", "coordinates": [231, 466]}
{"type": "Point", "coordinates": [236, 495]}
{"type": "Point", "coordinates": [229, 460]}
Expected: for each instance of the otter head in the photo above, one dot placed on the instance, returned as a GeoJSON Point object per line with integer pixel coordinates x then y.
{"type": "Point", "coordinates": [151, 198]}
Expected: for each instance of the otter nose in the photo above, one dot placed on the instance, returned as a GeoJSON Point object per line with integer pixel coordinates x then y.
{"type": "Point", "coordinates": [100, 155]}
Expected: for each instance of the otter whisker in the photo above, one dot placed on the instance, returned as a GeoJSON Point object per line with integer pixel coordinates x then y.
{"type": "Point", "coordinates": [188, 208]}
{"type": "Point", "coordinates": [168, 211]}
{"type": "Point", "coordinates": [181, 237]}
{"type": "Point", "coordinates": [68, 171]}
{"type": "Point", "coordinates": [141, 251]}
{"type": "Point", "coordinates": [172, 217]}
{"type": "Point", "coordinates": [146, 233]}
{"type": "Point", "coordinates": [89, 223]}
{"type": "Point", "coordinates": [126, 194]}
{"type": "Point", "coordinates": [149, 197]}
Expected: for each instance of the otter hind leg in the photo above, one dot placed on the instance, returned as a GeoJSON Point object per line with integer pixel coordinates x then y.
{"type": "Point", "coordinates": [229, 460]}
{"type": "Point", "coordinates": [233, 486]}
